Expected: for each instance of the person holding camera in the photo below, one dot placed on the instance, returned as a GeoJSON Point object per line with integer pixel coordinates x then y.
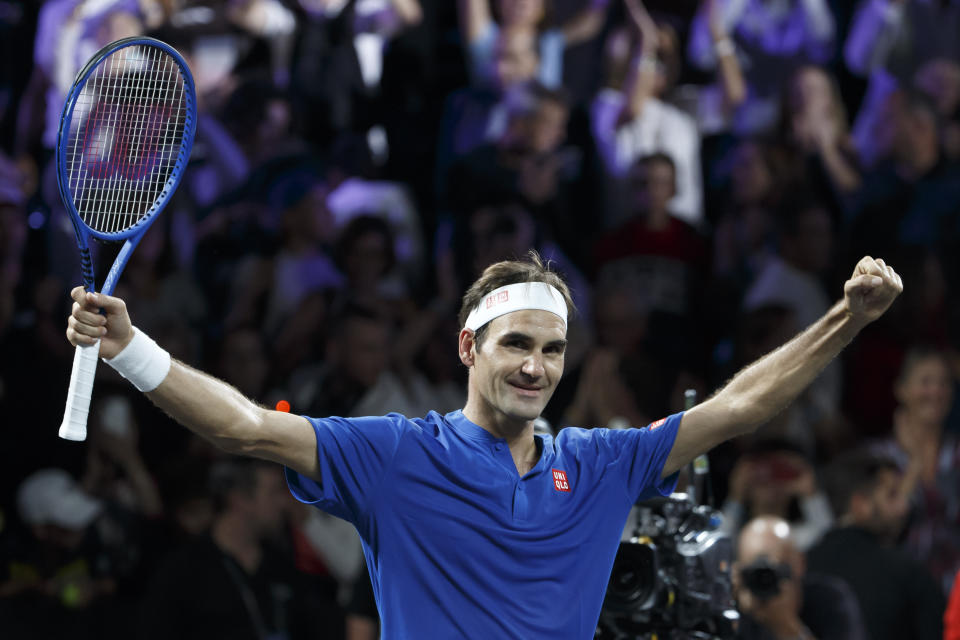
{"type": "Point", "coordinates": [779, 600]}
{"type": "Point", "coordinates": [774, 478]}
{"type": "Point", "coordinates": [897, 595]}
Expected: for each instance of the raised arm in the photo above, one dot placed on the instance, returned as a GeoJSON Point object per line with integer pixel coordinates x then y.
{"type": "Point", "coordinates": [586, 24]}
{"type": "Point", "coordinates": [761, 390]}
{"type": "Point", "coordinates": [207, 406]}
{"type": "Point", "coordinates": [700, 46]}
{"type": "Point", "coordinates": [728, 64]}
{"type": "Point", "coordinates": [474, 17]}
{"type": "Point", "coordinates": [876, 27]}
{"type": "Point", "coordinates": [641, 79]}
{"type": "Point", "coordinates": [409, 12]}
{"type": "Point", "coordinates": [820, 27]}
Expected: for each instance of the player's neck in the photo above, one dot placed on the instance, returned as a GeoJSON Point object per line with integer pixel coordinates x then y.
{"type": "Point", "coordinates": [517, 433]}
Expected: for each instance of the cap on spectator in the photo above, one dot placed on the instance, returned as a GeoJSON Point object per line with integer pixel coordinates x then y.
{"type": "Point", "coordinates": [52, 496]}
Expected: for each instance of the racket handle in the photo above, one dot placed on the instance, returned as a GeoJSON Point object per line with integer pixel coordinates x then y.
{"type": "Point", "coordinates": [74, 425]}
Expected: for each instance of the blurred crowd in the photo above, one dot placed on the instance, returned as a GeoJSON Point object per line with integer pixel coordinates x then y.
{"type": "Point", "coordinates": [704, 173]}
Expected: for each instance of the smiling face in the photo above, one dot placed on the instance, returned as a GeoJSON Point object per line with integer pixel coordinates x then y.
{"type": "Point", "coordinates": [925, 390]}
{"type": "Point", "coordinates": [515, 369]}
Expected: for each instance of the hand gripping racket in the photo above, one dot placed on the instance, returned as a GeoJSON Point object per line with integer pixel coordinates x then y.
{"type": "Point", "coordinates": [125, 136]}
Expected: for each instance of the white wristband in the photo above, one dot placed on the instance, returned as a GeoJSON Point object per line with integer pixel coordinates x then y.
{"type": "Point", "coordinates": [142, 362]}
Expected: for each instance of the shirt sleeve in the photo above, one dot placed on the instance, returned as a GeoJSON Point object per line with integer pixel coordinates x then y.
{"type": "Point", "coordinates": [638, 456]}
{"type": "Point", "coordinates": [45, 40]}
{"type": "Point", "coordinates": [354, 456]}
{"type": "Point", "coordinates": [604, 112]}
{"type": "Point", "coordinates": [873, 32]}
{"type": "Point", "coordinates": [820, 25]}
{"type": "Point", "coordinates": [552, 44]}
{"type": "Point", "coordinates": [683, 144]}
{"type": "Point", "coordinates": [951, 617]}
{"type": "Point", "coordinates": [480, 54]}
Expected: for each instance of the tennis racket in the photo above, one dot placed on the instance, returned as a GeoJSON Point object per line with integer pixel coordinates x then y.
{"type": "Point", "coordinates": [125, 136]}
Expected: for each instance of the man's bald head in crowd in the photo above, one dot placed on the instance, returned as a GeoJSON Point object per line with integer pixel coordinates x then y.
{"type": "Point", "coordinates": [769, 536]}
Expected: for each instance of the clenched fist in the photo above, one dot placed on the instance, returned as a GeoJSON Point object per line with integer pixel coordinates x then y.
{"type": "Point", "coordinates": [86, 324]}
{"type": "Point", "coordinates": [871, 289]}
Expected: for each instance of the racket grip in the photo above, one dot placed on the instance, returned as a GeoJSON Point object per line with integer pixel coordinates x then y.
{"type": "Point", "coordinates": [74, 425]}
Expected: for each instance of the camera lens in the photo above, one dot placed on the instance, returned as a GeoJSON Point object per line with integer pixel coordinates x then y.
{"type": "Point", "coordinates": [633, 579]}
{"type": "Point", "coordinates": [763, 578]}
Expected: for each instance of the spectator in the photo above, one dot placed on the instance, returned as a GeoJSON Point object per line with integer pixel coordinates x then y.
{"type": "Point", "coordinates": [476, 114]}
{"type": "Point", "coordinates": [480, 32]}
{"type": "Point", "coordinates": [339, 65]}
{"type": "Point", "coordinates": [775, 479]}
{"type": "Point", "coordinates": [931, 457]}
{"type": "Point", "coordinates": [68, 570]}
{"type": "Point", "coordinates": [897, 597]}
{"type": "Point", "coordinates": [814, 125]}
{"type": "Point", "coordinates": [913, 198]}
{"type": "Point", "coordinates": [770, 39]}
{"type": "Point", "coordinates": [115, 471]}
{"type": "Point", "coordinates": [939, 80]}
{"type": "Point", "coordinates": [635, 119]}
{"type": "Point", "coordinates": [261, 120]}
{"type": "Point", "coordinates": [717, 103]}
{"type": "Point", "coordinates": [499, 231]}
{"type": "Point", "coordinates": [364, 253]}
{"type": "Point", "coordinates": [358, 373]}
{"type": "Point", "coordinates": [659, 254]}
{"type": "Point", "coordinates": [529, 165]}
{"type": "Point", "coordinates": [232, 582]}
{"type": "Point", "coordinates": [356, 190]}
{"type": "Point", "coordinates": [779, 598]}
{"type": "Point", "coordinates": [69, 32]}
{"type": "Point", "coordinates": [888, 42]}
{"type": "Point", "coordinates": [302, 264]}
{"type": "Point", "coordinates": [744, 234]}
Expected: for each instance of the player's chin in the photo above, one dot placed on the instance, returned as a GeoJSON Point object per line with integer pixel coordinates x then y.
{"type": "Point", "coordinates": [525, 408]}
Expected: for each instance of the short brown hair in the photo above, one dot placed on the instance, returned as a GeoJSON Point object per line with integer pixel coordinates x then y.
{"type": "Point", "coordinates": [500, 274]}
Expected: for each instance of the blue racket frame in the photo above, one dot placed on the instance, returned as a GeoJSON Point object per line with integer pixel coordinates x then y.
{"type": "Point", "coordinates": [134, 233]}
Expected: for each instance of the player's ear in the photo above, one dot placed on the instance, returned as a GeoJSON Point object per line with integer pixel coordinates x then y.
{"type": "Point", "coordinates": [466, 347]}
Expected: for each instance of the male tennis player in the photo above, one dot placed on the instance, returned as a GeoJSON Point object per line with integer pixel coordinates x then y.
{"type": "Point", "coordinates": [474, 527]}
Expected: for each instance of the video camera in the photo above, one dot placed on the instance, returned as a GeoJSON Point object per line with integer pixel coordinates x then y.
{"type": "Point", "coordinates": [672, 578]}
{"type": "Point", "coordinates": [763, 577]}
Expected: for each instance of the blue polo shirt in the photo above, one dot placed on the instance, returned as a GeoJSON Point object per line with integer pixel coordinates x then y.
{"type": "Point", "coordinates": [458, 545]}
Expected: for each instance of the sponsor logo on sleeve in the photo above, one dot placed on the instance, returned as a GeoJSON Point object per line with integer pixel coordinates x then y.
{"type": "Point", "coordinates": [560, 480]}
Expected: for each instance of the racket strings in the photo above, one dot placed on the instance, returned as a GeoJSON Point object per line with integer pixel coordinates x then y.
{"type": "Point", "coordinates": [126, 135]}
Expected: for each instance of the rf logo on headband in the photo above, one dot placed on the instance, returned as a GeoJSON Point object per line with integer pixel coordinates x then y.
{"type": "Point", "coordinates": [501, 297]}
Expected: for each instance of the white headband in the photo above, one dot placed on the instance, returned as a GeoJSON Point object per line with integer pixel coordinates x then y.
{"type": "Point", "coordinates": [517, 297]}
